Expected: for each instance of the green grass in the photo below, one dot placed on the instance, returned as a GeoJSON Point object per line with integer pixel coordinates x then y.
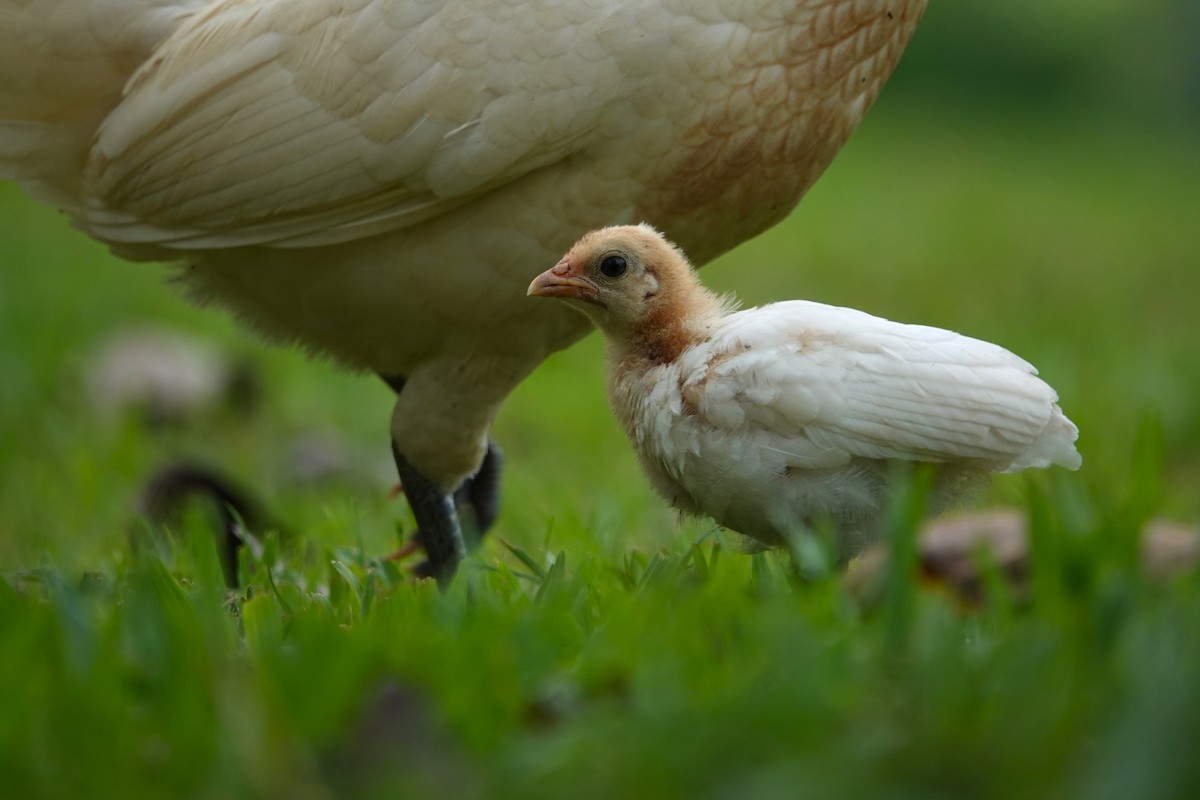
{"type": "Point", "coordinates": [613, 651]}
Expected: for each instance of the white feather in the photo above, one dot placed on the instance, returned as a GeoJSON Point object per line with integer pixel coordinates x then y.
{"type": "Point", "coordinates": [832, 380]}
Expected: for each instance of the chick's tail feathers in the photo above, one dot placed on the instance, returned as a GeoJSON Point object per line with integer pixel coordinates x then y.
{"type": "Point", "coordinates": [1055, 446]}
{"type": "Point", "coordinates": [63, 67]}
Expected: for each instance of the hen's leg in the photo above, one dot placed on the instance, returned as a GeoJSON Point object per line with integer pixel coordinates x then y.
{"type": "Point", "coordinates": [441, 518]}
{"type": "Point", "coordinates": [479, 495]}
{"type": "Point", "coordinates": [438, 531]}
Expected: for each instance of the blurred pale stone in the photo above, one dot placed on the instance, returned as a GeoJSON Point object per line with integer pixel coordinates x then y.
{"type": "Point", "coordinates": [165, 375]}
{"type": "Point", "coordinates": [949, 550]}
{"type": "Point", "coordinates": [1169, 548]}
{"type": "Point", "coordinates": [317, 457]}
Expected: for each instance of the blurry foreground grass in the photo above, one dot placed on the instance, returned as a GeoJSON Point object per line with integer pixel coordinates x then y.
{"type": "Point", "coordinates": [613, 652]}
{"type": "Point", "coordinates": [682, 674]}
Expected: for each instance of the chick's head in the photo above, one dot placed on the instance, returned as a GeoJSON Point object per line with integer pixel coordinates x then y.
{"type": "Point", "coordinates": [620, 277]}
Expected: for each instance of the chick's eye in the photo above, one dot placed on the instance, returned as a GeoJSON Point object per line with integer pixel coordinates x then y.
{"type": "Point", "coordinates": [613, 266]}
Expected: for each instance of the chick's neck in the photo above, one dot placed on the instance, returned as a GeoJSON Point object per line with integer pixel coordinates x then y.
{"type": "Point", "coordinates": [676, 321]}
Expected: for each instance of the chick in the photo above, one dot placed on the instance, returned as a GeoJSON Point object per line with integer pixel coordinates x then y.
{"type": "Point", "coordinates": [777, 419]}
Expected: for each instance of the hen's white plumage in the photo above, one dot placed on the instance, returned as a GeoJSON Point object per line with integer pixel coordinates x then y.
{"type": "Point", "coordinates": [772, 418]}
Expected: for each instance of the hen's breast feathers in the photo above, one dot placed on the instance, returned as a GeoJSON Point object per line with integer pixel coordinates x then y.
{"type": "Point", "coordinates": [824, 385]}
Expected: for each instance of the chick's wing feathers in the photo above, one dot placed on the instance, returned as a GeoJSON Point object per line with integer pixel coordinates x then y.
{"type": "Point", "coordinates": [310, 123]}
{"type": "Point", "coordinates": [826, 384]}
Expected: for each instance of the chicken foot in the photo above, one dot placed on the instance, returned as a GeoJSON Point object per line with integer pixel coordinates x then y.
{"type": "Point", "coordinates": [479, 495]}
{"type": "Point", "coordinates": [474, 506]}
{"type": "Point", "coordinates": [447, 524]}
{"type": "Point", "coordinates": [438, 530]}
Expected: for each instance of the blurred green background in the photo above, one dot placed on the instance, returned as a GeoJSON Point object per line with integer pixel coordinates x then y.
{"type": "Point", "coordinates": [1031, 176]}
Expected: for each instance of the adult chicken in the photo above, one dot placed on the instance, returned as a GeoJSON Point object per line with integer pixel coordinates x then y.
{"type": "Point", "coordinates": [773, 420]}
{"type": "Point", "coordinates": [376, 179]}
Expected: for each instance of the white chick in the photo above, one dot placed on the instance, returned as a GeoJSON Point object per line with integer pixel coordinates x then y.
{"type": "Point", "coordinates": [777, 419]}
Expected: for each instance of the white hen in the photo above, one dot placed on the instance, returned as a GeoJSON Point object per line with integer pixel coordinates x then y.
{"type": "Point", "coordinates": [776, 418]}
{"type": "Point", "coordinates": [376, 178]}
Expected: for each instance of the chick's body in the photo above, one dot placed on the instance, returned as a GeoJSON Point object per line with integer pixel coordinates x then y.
{"type": "Point", "coordinates": [775, 418]}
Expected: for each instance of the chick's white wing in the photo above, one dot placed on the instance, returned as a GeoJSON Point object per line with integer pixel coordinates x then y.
{"type": "Point", "coordinates": [826, 384]}
{"type": "Point", "coordinates": [313, 121]}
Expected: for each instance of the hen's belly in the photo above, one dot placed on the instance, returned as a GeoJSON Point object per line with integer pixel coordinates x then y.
{"type": "Point", "coordinates": [455, 283]}
{"type": "Point", "coordinates": [397, 300]}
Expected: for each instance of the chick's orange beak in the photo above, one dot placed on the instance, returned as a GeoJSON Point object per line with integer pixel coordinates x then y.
{"type": "Point", "coordinates": [560, 281]}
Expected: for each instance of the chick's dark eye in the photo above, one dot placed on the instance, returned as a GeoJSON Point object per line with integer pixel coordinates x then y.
{"type": "Point", "coordinates": [613, 266]}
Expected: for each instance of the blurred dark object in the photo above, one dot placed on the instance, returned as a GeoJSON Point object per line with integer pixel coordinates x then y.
{"type": "Point", "coordinates": [166, 377]}
{"type": "Point", "coordinates": [172, 489]}
{"type": "Point", "coordinates": [396, 747]}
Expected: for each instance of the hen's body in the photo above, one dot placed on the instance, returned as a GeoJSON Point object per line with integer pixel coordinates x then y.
{"type": "Point", "coordinates": [378, 179]}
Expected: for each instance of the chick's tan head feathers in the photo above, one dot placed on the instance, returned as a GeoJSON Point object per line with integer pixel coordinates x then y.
{"type": "Point", "coordinates": [638, 288]}
{"type": "Point", "coordinates": [620, 275]}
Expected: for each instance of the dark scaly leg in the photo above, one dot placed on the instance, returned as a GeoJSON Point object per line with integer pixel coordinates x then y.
{"type": "Point", "coordinates": [441, 520]}
{"type": "Point", "coordinates": [480, 495]}
{"type": "Point", "coordinates": [438, 530]}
